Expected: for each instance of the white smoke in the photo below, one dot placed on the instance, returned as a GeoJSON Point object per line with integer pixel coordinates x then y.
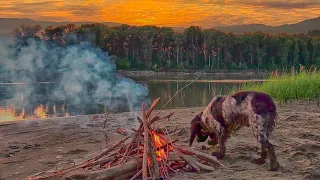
{"type": "Point", "coordinates": [84, 75]}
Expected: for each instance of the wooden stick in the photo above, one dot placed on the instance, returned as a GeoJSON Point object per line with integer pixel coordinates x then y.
{"type": "Point", "coordinates": [84, 164]}
{"type": "Point", "coordinates": [110, 157]}
{"type": "Point", "coordinates": [137, 133]}
{"type": "Point", "coordinates": [176, 94]}
{"type": "Point", "coordinates": [146, 146]}
{"type": "Point", "coordinates": [204, 167]}
{"type": "Point", "coordinates": [193, 162]}
{"type": "Point", "coordinates": [111, 148]}
{"type": "Point", "coordinates": [139, 129]}
{"type": "Point", "coordinates": [188, 159]}
{"type": "Point", "coordinates": [104, 161]}
{"type": "Point", "coordinates": [157, 118]}
{"type": "Point", "coordinates": [138, 174]}
{"type": "Point", "coordinates": [174, 157]}
{"type": "Point", "coordinates": [155, 102]}
{"type": "Point", "coordinates": [123, 171]}
{"type": "Point", "coordinates": [200, 155]}
{"type": "Point", "coordinates": [154, 166]}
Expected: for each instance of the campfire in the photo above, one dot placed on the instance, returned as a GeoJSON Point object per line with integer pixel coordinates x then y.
{"type": "Point", "coordinates": [149, 154]}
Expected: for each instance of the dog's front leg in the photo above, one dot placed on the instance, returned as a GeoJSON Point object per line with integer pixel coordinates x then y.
{"type": "Point", "coordinates": [263, 155]}
{"type": "Point", "coordinates": [222, 144]}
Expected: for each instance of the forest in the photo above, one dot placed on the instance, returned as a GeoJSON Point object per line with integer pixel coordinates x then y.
{"type": "Point", "coordinates": [161, 48]}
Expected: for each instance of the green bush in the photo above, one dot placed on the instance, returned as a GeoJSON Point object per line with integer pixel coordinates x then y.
{"type": "Point", "coordinates": [123, 64]}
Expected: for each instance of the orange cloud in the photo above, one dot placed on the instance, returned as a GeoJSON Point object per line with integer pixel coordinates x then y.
{"type": "Point", "coordinates": [205, 13]}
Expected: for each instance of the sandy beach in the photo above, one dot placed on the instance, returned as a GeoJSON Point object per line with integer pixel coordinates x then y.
{"type": "Point", "coordinates": [33, 146]}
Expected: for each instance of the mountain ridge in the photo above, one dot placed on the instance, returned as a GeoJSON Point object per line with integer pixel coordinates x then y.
{"type": "Point", "coordinates": [296, 28]}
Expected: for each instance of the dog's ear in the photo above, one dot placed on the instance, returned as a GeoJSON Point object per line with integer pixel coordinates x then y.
{"type": "Point", "coordinates": [195, 128]}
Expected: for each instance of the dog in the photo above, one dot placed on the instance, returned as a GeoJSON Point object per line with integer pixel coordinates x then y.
{"type": "Point", "coordinates": [226, 115]}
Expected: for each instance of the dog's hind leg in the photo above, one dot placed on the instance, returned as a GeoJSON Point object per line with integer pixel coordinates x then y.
{"type": "Point", "coordinates": [263, 155]}
{"type": "Point", "coordinates": [261, 131]}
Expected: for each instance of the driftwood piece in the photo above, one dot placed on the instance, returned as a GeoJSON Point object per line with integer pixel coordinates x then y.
{"type": "Point", "coordinates": [153, 105]}
{"type": "Point", "coordinates": [156, 118]}
{"type": "Point", "coordinates": [103, 161]}
{"type": "Point", "coordinates": [82, 165]}
{"type": "Point", "coordinates": [204, 167]}
{"type": "Point", "coordinates": [154, 166]}
{"type": "Point", "coordinates": [174, 157]}
{"type": "Point", "coordinates": [139, 130]}
{"type": "Point", "coordinates": [200, 155]}
{"type": "Point", "coordinates": [116, 172]}
{"type": "Point", "coordinates": [106, 151]}
{"type": "Point", "coordinates": [134, 138]}
{"type": "Point", "coordinates": [138, 174]}
{"type": "Point", "coordinates": [194, 163]}
{"type": "Point", "coordinates": [188, 159]}
{"type": "Point", "coordinates": [146, 146]}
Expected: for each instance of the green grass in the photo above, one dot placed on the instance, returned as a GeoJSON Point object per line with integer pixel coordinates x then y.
{"type": "Point", "coordinates": [297, 85]}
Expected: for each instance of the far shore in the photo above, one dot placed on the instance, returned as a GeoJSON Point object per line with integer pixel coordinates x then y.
{"type": "Point", "coordinates": [193, 72]}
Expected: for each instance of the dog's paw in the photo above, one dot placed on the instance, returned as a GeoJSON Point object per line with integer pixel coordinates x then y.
{"type": "Point", "coordinates": [259, 161]}
{"type": "Point", "coordinates": [218, 155]}
{"type": "Point", "coordinates": [274, 166]}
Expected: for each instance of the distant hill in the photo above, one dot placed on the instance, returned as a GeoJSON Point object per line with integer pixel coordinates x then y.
{"type": "Point", "coordinates": [7, 24]}
{"type": "Point", "coordinates": [301, 27]}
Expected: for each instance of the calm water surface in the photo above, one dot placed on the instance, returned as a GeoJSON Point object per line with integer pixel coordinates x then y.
{"type": "Point", "coordinates": [164, 86]}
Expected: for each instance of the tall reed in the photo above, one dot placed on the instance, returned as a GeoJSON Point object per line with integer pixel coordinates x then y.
{"type": "Point", "coordinates": [303, 84]}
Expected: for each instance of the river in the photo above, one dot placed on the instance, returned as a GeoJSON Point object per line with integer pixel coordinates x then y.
{"type": "Point", "coordinates": [198, 93]}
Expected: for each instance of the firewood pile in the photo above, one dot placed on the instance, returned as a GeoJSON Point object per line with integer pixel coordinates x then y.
{"type": "Point", "coordinates": [150, 154]}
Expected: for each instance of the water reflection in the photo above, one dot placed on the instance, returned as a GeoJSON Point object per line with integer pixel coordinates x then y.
{"type": "Point", "coordinates": [197, 94]}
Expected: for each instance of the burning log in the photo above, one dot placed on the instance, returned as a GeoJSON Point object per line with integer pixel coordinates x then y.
{"type": "Point", "coordinates": [146, 146]}
{"type": "Point", "coordinates": [149, 154]}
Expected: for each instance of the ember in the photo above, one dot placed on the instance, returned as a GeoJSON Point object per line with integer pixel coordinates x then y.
{"type": "Point", "coordinates": [148, 154]}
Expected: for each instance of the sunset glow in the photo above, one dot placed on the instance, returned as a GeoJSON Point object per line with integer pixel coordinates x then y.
{"type": "Point", "coordinates": [205, 13]}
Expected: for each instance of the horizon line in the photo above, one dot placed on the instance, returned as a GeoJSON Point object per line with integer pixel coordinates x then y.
{"type": "Point", "coordinates": [119, 23]}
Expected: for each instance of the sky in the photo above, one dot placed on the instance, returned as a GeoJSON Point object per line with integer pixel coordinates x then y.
{"type": "Point", "coordinates": [174, 13]}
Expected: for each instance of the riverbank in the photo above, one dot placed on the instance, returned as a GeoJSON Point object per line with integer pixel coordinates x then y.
{"type": "Point", "coordinates": [194, 72]}
{"type": "Point", "coordinates": [28, 147]}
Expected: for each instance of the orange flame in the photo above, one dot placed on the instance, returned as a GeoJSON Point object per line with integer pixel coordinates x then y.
{"type": "Point", "coordinates": [159, 142]}
{"type": "Point", "coordinates": [9, 114]}
{"type": "Point", "coordinates": [40, 112]}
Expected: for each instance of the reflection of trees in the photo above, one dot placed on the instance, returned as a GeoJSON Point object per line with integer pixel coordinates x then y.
{"type": "Point", "coordinates": [197, 94]}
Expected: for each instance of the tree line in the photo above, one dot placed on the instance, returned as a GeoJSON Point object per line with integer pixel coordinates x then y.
{"type": "Point", "coordinates": [156, 48]}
